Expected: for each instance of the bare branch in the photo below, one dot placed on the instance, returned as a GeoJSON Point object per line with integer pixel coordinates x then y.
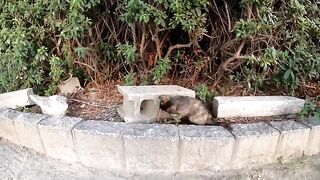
{"type": "Point", "coordinates": [177, 46]}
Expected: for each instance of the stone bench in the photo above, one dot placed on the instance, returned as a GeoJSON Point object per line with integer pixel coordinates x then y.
{"type": "Point", "coordinates": [141, 103]}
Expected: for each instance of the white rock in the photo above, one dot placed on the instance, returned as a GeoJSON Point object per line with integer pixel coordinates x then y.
{"type": "Point", "coordinates": [16, 99]}
{"type": "Point", "coordinates": [252, 106]}
{"type": "Point", "coordinates": [53, 105]}
{"type": "Point", "coordinates": [70, 86]}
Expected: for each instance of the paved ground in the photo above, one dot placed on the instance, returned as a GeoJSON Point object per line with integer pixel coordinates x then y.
{"type": "Point", "coordinates": [20, 163]}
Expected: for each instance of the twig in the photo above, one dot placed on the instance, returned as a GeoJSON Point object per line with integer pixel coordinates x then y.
{"type": "Point", "coordinates": [308, 86]}
{"type": "Point", "coordinates": [84, 102]}
{"type": "Point", "coordinates": [228, 16]}
{"type": "Point", "coordinates": [177, 46]}
{"type": "Point", "coordinates": [224, 66]}
{"type": "Point", "coordinates": [84, 64]}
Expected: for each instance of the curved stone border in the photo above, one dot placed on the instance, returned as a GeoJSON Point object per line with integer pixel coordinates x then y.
{"type": "Point", "coordinates": [159, 147]}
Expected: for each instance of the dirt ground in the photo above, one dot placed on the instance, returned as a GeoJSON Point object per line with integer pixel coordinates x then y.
{"type": "Point", "coordinates": [100, 102]}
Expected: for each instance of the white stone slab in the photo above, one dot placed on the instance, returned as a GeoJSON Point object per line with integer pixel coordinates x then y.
{"type": "Point", "coordinates": [141, 103]}
{"type": "Point", "coordinates": [15, 99]}
{"type": "Point", "coordinates": [153, 91]}
{"type": "Point", "coordinates": [252, 106]}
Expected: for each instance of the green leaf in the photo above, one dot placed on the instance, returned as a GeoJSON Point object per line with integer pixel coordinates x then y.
{"type": "Point", "coordinates": [287, 74]}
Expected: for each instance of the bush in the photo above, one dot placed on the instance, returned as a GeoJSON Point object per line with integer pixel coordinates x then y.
{"type": "Point", "coordinates": [32, 37]}
{"type": "Point", "coordinates": [252, 41]}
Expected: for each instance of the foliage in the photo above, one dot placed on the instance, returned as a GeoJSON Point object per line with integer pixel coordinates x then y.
{"type": "Point", "coordinates": [31, 33]}
{"type": "Point", "coordinates": [163, 66]}
{"type": "Point", "coordinates": [128, 52]}
{"type": "Point", "coordinates": [203, 92]}
{"type": "Point", "coordinates": [252, 41]}
{"type": "Point", "coordinates": [310, 109]}
{"type": "Point", "coordinates": [129, 79]}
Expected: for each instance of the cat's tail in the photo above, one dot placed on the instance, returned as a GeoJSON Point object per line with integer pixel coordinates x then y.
{"type": "Point", "coordinates": [226, 125]}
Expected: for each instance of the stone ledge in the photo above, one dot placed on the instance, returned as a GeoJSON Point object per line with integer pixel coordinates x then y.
{"type": "Point", "coordinates": [27, 130]}
{"type": "Point", "coordinates": [256, 143]}
{"type": "Point", "coordinates": [152, 147]}
{"type": "Point", "coordinates": [313, 146]}
{"type": "Point", "coordinates": [159, 147]}
{"type": "Point", "coordinates": [57, 137]}
{"type": "Point", "coordinates": [7, 130]}
{"type": "Point", "coordinates": [293, 139]}
{"type": "Point", "coordinates": [100, 144]}
{"type": "Point", "coordinates": [205, 148]}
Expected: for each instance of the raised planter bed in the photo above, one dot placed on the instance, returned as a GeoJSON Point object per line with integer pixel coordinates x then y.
{"type": "Point", "coordinates": [160, 147]}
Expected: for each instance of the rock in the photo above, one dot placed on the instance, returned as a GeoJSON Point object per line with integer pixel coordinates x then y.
{"type": "Point", "coordinates": [16, 99]}
{"type": "Point", "coordinates": [252, 106]}
{"type": "Point", "coordinates": [53, 105]}
{"type": "Point", "coordinates": [70, 86]}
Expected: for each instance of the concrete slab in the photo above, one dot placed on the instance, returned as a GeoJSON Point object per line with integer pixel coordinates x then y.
{"type": "Point", "coordinates": [7, 128]}
{"type": "Point", "coordinates": [313, 146]}
{"type": "Point", "coordinates": [141, 103]}
{"type": "Point", "coordinates": [256, 143]}
{"type": "Point", "coordinates": [100, 144]}
{"type": "Point", "coordinates": [26, 125]}
{"type": "Point", "coordinates": [205, 148]}
{"type": "Point", "coordinates": [55, 133]}
{"type": "Point", "coordinates": [251, 106]}
{"type": "Point", "coordinates": [152, 147]}
{"type": "Point", "coordinates": [16, 98]}
{"type": "Point", "coordinates": [293, 139]}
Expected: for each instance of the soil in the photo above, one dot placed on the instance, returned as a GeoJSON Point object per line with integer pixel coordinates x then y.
{"type": "Point", "coordinates": [101, 102]}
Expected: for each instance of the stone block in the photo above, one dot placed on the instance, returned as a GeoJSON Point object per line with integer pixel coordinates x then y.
{"type": "Point", "coordinates": [27, 130]}
{"type": "Point", "coordinates": [70, 86]}
{"type": "Point", "coordinates": [313, 146]}
{"type": "Point", "coordinates": [55, 105]}
{"type": "Point", "coordinates": [152, 147]}
{"type": "Point", "coordinates": [293, 139]}
{"type": "Point", "coordinates": [251, 106]}
{"type": "Point", "coordinates": [99, 144]}
{"type": "Point", "coordinates": [141, 103]}
{"type": "Point", "coordinates": [57, 138]}
{"type": "Point", "coordinates": [256, 143]}
{"type": "Point", "coordinates": [205, 148]}
{"type": "Point", "coordinates": [7, 129]}
{"type": "Point", "coordinates": [16, 98]}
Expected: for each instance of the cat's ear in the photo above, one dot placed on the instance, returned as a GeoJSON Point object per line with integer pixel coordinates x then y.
{"type": "Point", "coordinates": [164, 98]}
{"type": "Point", "coordinates": [173, 108]}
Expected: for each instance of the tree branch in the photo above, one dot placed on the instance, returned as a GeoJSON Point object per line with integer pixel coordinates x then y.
{"type": "Point", "coordinates": [177, 46]}
{"type": "Point", "coordinates": [224, 66]}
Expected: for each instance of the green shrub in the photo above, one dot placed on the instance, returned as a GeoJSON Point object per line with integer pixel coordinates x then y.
{"type": "Point", "coordinates": [204, 94]}
{"type": "Point", "coordinates": [252, 41]}
{"type": "Point", "coordinates": [31, 35]}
